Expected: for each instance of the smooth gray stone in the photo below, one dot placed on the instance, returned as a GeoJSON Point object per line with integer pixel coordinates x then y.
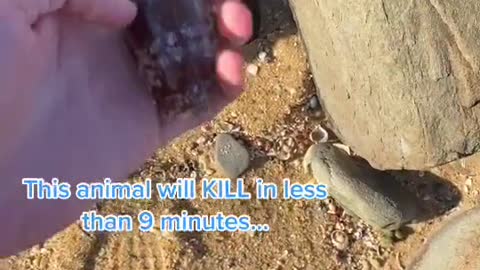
{"type": "Point", "coordinates": [370, 194]}
{"type": "Point", "coordinates": [454, 247]}
{"type": "Point", "coordinates": [231, 157]}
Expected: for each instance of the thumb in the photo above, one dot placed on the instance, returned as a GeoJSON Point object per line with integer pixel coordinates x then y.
{"type": "Point", "coordinates": [117, 13]}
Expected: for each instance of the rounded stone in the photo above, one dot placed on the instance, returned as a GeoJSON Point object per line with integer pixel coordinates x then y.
{"type": "Point", "coordinates": [231, 157]}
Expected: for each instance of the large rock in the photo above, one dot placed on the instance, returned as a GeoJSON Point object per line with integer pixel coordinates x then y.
{"type": "Point", "coordinates": [399, 79]}
{"type": "Point", "coordinates": [454, 247]}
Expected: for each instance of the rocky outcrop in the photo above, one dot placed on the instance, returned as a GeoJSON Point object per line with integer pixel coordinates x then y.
{"type": "Point", "coordinates": [399, 79]}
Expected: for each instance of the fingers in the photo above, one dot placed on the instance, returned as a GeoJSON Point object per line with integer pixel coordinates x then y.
{"type": "Point", "coordinates": [235, 21]}
{"type": "Point", "coordinates": [116, 13]}
{"type": "Point", "coordinates": [235, 25]}
{"type": "Point", "coordinates": [230, 71]}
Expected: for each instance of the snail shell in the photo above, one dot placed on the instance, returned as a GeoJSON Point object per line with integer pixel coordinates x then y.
{"type": "Point", "coordinates": [318, 135]}
{"type": "Point", "coordinates": [339, 240]}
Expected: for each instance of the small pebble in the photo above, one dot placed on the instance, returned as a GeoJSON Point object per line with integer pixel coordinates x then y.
{"type": "Point", "coordinates": [206, 128]}
{"type": "Point", "coordinates": [252, 69]}
{"type": "Point", "coordinates": [332, 209]}
{"type": "Point", "coordinates": [468, 182]}
{"type": "Point", "coordinates": [283, 155]}
{"type": "Point", "coordinates": [400, 235]}
{"type": "Point", "coordinates": [297, 163]}
{"type": "Point", "coordinates": [201, 140]}
{"type": "Point", "coordinates": [209, 172]}
{"type": "Point", "coordinates": [231, 157]}
{"type": "Point", "coordinates": [262, 56]}
{"type": "Point", "coordinates": [313, 103]}
{"type": "Point", "coordinates": [291, 90]}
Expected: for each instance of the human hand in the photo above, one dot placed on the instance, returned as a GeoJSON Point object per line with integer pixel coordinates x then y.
{"type": "Point", "coordinates": [70, 106]}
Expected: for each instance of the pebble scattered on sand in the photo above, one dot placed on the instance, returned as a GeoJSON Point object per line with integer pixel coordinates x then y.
{"type": "Point", "coordinates": [252, 69]}
{"type": "Point", "coordinates": [262, 56]}
{"type": "Point", "coordinates": [313, 103]}
{"type": "Point", "coordinates": [231, 157]}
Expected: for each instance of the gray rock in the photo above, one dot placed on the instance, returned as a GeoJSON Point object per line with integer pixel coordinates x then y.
{"type": "Point", "coordinates": [313, 103]}
{"type": "Point", "coordinates": [370, 194]}
{"type": "Point", "coordinates": [230, 156]}
{"type": "Point", "coordinates": [399, 79]}
{"type": "Point", "coordinates": [454, 247]}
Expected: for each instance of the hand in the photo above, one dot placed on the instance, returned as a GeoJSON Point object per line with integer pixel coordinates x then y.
{"type": "Point", "coordinates": [70, 104]}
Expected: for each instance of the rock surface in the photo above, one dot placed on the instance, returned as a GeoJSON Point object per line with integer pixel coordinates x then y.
{"type": "Point", "coordinates": [360, 189]}
{"type": "Point", "coordinates": [231, 157]}
{"type": "Point", "coordinates": [399, 79]}
{"type": "Point", "coordinates": [454, 247]}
